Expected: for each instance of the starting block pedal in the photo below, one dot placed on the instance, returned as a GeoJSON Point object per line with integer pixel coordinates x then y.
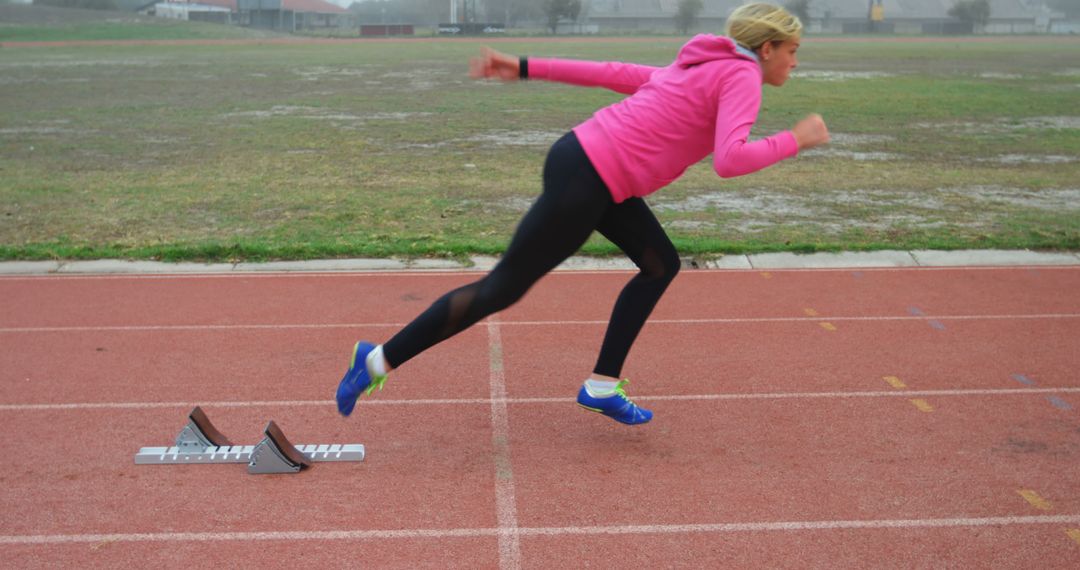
{"type": "Point", "coordinates": [200, 442]}
{"type": "Point", "coordinates": [200, 433]}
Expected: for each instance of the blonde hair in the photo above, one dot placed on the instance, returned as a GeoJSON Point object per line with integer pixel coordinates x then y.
{"type": "Point", "coordinates": [751, 25]}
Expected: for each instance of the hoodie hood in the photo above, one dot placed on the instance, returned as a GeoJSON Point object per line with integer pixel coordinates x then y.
{"type": "Point", "coordinates": [704, 48]}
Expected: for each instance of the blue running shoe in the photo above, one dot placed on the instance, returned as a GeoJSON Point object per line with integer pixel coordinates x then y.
{"type": "Point", "coordinates": [617, 406]}
{"type": "Point", "coordinates": [357, 380]}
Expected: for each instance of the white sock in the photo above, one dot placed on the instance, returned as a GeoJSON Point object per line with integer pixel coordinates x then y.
{"type": "Point", "coordinates": [376, 362]}
{"type": "Point", "coordinates": [600, 388]}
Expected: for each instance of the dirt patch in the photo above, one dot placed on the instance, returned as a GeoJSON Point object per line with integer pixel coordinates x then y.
{"type": "Point", "coordinates": [4, 80]}
{"type": "Point", "coordinates": [417, 79]}
{"type": "Point", "coordinates": [317, 114]}
{"type": "Point", "coordinates": [319, 73]}
{"type": "Point", "coordinates": [1055, 88]}
{"type": "Point", "coordinates": [53, 127]}
{"type": "Point", "coordinates": [1051, 123]}
{"type": "Point", "coordinates": [689, 225]}
{"type": "Point", "coordinates": [401, 116]}
{"type": "Point", "coordinates": [1058, 199]}
{"type": "Point", "coordinates": [69, 63]}
{"type": "Point", "coordinates": [35, 131]}
{"type": "Point", "coordinates": [828, 75]}
{"type": "Point", "coordinates": [516, 138]}
{"type": "Point", "coordinates": [853, 155]}
{"type": "Point", "coordinates": [849, 139]}
{"type": "Point", "coordinates": [750, 203]}
{"type": "Point", "coordinates": [841, 145]}
{"type": "Point", "coordinates": [1030, 159]}
{"type": "Point", "coordinates": [516, 204]}
{"type": "Point", "coordinates": [496, 138]}
{"type": "Point", "coordinates": [275, 111]}
{"type": "Point", "coordinates": [1004, 125]}
{"type": "Point", "coordinates": [756, 210]}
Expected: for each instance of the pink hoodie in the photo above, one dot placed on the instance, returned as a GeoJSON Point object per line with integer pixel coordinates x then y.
{"type": "Point", "coordinates": [705, 102]}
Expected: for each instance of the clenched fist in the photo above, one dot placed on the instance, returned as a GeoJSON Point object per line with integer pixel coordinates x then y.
{"type": "Point", "coordinates": [811, 132]}
{"type": "Point", "coordinates": [494, 65]}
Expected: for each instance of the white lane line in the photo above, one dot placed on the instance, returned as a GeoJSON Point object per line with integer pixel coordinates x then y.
{"type": "Point", "coordinates": [515, 401]}
{"type": "Point", "coordinates": [750, 320]}
{"type": "Point", "coordinates": [780, 526]}
{"type": "Point", "coordinates": [505, 501]}
{"type": "Point", "coordinates": [247, 536]}
{"type": "Point", "coordinates": [801, 525]}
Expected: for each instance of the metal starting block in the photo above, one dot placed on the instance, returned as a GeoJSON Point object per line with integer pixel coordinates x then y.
{"type": "Point", "coordinates": [200, 442]}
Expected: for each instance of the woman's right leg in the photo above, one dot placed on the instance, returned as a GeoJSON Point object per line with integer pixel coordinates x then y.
{"type": "Point", "coordinates": [573, 202]}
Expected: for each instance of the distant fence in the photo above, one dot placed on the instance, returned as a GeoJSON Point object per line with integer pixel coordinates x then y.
{"type": "Point", "coordinates": [383, 30]}
{"type": "Point", "coordinates": [471, 29]}
{"type": "Point", "coordinates": [948, 28]}
{"type": "Point", "coordinates": [868, 27]}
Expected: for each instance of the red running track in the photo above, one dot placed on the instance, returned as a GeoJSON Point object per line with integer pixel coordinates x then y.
{"type": "Point", "coordinates": [891, 418]}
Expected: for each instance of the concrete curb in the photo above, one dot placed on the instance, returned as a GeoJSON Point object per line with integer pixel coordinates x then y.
{"type": "Point", "coordinates": [875, 259]}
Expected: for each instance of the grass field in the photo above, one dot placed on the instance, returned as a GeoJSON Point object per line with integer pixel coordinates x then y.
{"type": "Point", "coordinates": [387, 148]}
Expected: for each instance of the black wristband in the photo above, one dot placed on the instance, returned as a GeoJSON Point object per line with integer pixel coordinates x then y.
{"type": "Point", "coordinates": [523, 67]}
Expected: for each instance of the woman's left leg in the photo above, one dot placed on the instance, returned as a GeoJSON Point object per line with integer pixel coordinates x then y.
{"type": "Point", "coordinates": [632, 226]}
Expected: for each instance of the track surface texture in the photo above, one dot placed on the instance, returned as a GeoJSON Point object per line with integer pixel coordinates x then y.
{"type": "Point", "coordinates": [842, 418]}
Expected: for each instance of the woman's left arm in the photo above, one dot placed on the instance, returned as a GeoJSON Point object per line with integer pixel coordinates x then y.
{"type": "Point", "coordinates": [619, 77]}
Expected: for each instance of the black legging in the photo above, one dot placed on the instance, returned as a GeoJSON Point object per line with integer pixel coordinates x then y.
{"type": "Point", "coordinates": [575, 202]}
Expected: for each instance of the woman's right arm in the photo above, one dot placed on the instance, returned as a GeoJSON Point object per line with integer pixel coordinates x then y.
{"type": "Point", "coordinates": [733, 154]}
